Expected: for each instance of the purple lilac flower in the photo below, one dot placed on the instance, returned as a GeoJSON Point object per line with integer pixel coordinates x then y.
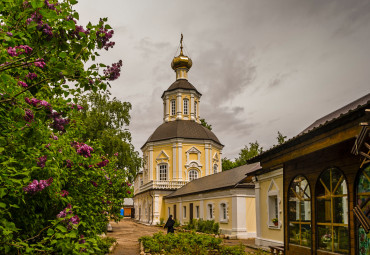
{"type": "Point", "coordinates": [9, 33]}
{"type": "Point", "coordinates": [84, 150]}
{"type": "Point", "coordinates": [41, 162]}
{"type": "Point", "coordinates": [19, 50]}
{"type": "Point", "coordinates": [103, 163]}
{"type": "Point", "coordinates": [37, 186]}
{"type": "Point", "coordinates": [116, 154]}
{"type": "Point", "coordinates": [128, 192]}
{"type": "Point", "coordinates": [12, 51]}
{"type": "Point", "coordinates": [50, 6]}
{"type": "Point", "coordinates": [59, 122]}
{"type": "Point", "coordinates": [75, 219]}
{"type": "Point", "coordinates": [40, 63]}
{"type": "Point", "coordinates": [103, 36]}
{"type": "Point", "coordinates": [82, 239]}
{"type": "Point", "coordinates": [54, 137]}
{"type": "Point", "coordinates": [67, 210]}
{"type": "Point", "coordinates": [69, 163]}
{"type": "Point", "coordinates": [31, 76]}
{"type": "Point", "coordinates": [112, 73]}
{"type": "Point", "coordinates": [94, 183]}
{"type": "Point", "coordinates": [23, 84]}
{"type": "Point", "coordinates": [64, 193]}
{"type": "Point", "coordinates": [28, 115]}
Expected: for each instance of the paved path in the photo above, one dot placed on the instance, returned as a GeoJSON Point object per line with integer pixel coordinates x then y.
{"type": "Point", "coordinates": [127, 233]}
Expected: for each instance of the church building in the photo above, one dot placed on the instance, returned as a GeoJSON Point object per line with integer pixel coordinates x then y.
{"type": "Point", "coordinates": [179, 151]}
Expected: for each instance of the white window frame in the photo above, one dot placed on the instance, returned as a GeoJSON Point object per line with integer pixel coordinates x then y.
{"type": "Point", "coordinates": [189, 174]}
{"type": "Point", "coordinates": [160, 172]}
{"type": "Point", "coordinates": [173, 107]}
{"type": "Point", "coordinates": [197, 212]}
{"type": "Point", "coordinates": [186, 106]}
{"type": "Point", "coordinates": [210, 211]}
{"type": "Point", "coordinates": [273, 205]}
{"type": "Point", "coordinates": [215, 168]}
{"type": "Point", "coordinates": [184, 211]}
{"type": "Point", "coordinates": [223, 212]}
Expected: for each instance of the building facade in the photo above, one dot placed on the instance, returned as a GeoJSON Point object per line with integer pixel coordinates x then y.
{"type": "Point", "coordinates": [325, 201]}
{"type": "Point", "coordinates": [179, 150]}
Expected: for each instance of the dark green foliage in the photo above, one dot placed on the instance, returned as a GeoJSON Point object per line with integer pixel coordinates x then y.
{"type": "Point", "coordinates": [245, 154]}
{"type": "Point", "coordinates": [105, 243]}
{"type": "Point", "coordinates": [280, 138]}
{"type": "Point", "coordinates": [204, 123]}
{"type": "Point", "coordinates": [204, 226]}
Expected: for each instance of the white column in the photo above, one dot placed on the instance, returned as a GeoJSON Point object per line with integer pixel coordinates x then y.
{"type": "Point", "coordinates": [167, 113]}
{"type": "Point", "coordinates": [210, 160]}
{"type": "Point", "coordinates": [180, 167]}
{"type": "Point", "coordinates": [258, 211]}
{"type": "Point", "coordinates": [206, 151]}
{"type": "Point", "coordinates": [201, 209]}
{"type": "Point", "coordinates": [179, 108]}
{"type": "Point", "coordinates": [198, 110]}
{"type": "Point", "coordinates": [192, 116]}
{"type": "Point", "coordinates": [180, 212]}
{"type": "Point", "coordinates": [155, 219]}
{"type": "Point", "coordinates": [220, 161]}
{"type": "Point", "coordinates": [174, 166]}
{"type": "Point", "coordinates": [151, 172]}
{"type": "Point", "coordinates": [239, 219]}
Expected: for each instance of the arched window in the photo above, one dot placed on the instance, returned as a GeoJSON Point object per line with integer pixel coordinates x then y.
{"type": "Point", "coordinates": [193, 174]}
{"type": "Point", "coordinates": [362, 210]}
{"type": "Point", "coordinates": [215, 168]}
{"type": "Point", "coordinates": [195, 109]}
{"type": "Point", "coordinates": [163, 172]}
{"type": "Point", "coordinates": [332, 212]}
{"type": "Point", "coordinates": [300, 212]}
{"type": "Point", "coordinates": [173, 107]}
{"type": "Point", "coordinates": [186, 106]}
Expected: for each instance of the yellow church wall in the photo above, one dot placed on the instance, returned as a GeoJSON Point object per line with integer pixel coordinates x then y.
{"type": "Point", "coordinates": [267, 230]}
{"type": "Point", "coordinates": [157, 149]}
{"type": "Point", "coordinates": [251, 215]}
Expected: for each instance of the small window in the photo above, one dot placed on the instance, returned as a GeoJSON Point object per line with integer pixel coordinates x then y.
{"type": "Point", "coordinates": [141, 181]}
{"type": "Point", "coordinates": [184, 210]}
{"type": "Point", "coordinates": [197, 211]}
{"type": "Point", "coordinates": [215, 168]}
{"type": "Point", "coordinates": [173, 107]}
{"type": "Point", "coordinates": [210, 211]}
{"type": "Point", "coordinates": [186, 104]}
{"type": "Point", "coordinates": [163, 172]}
{"type": "Point", "coordinates": [193, 174]}
{"type": "Point", "coordinates": [223, 212]}
{"type": "Point", "coordinates": [273, 209]}
{"type": "Point", "coordinates": [195, 109]}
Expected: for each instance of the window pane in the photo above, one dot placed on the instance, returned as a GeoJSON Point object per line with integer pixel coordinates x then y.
{"type": "Point", "coordinates": [341, 240]}
{"type": "Point", "coordinates": [341, 188]}
{"type": "Point", "coordinates": [325, 237]}
{"type": "Point", "coordinates": [305, 211]}
{"type": "Point", "coordinates": [294, 233]}
{"type": "Point", "coordinates": [323, 210]}
{"type": "Point", "coordinates": [306, 235]}
{"type": "Point", "coordinates": [340, 209]}
{"type": "Point", "coordinates": [293, 210]}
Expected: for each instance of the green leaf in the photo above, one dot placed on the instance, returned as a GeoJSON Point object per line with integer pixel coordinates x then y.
{"type": "Point", "coordinates": [2, 205]}
{"type": "Point", "coordinates": [2, 192]}
{"type": "Point", "coordinates": [62, 54]}
{"type": "Point", "coordinates": [50, 232]}
{"type": "Point", "coordinates": [61, 228]}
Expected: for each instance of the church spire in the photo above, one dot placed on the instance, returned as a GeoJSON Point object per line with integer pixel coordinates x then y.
{"type": "Point", "coordinates": [181, 64]}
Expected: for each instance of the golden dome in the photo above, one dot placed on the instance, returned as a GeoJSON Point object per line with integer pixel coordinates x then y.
{"type": "Point", "coordinates": [181, 61]}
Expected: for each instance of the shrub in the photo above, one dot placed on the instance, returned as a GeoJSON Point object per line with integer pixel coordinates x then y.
{"type": "Point", "coordinates": [187, 243]}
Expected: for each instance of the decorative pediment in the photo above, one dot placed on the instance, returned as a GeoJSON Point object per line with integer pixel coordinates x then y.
{"type": "Point", "coordinates": [273, 188]}
{"type": "Point", "coordinates": [162, 157]}
{"type": "Point", "coordinates": [215, 157]}
{"type": "Point", "coordinates": [193, 150]}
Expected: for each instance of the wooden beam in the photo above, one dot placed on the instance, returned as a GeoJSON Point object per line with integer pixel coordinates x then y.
{"type": "Point", "coordinates": [367, 145]}
{"type": "Point", "coordinates": [365, 155]}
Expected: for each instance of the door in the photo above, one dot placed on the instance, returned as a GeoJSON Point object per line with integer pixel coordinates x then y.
{"type": "Point", "coordinates": [174, 212]}
{"type": "Point", "coordinates": [191, 211]}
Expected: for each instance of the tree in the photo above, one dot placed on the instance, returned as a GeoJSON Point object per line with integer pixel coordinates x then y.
{"type": "Point", "coordinates": [245, 154]}
{"type": "Point", "coordinates": [204, 123]}
{"type": "Point", "coordinates": [280, 138]}
{"type": "Point", "coordinates": [106, 121]}
{"type": "Point", "coordinates": [57, 187]}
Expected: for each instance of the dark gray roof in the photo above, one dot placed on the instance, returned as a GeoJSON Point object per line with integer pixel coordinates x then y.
{"type": "Point", "coordinates": [319, 125]}
{"type": "Point", "coordinates": [345, 109]}
{"type": "Point", "coordinates": [182, 129]}
{"type": "Point", "coordinates": [181, 84]}
{"type": "Point", "coordinates": [229, 178]}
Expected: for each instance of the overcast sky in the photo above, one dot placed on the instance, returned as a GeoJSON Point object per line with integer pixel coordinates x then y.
{"type": "Point", "coordinates": [262, 66]}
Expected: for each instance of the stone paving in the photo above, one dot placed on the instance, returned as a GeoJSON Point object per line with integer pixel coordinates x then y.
{"type": "Point", "coordinates": [127, 233]}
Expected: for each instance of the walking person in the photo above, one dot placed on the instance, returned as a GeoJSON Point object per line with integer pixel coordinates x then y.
{"type": "Point", "coordinates": [169, 225]}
